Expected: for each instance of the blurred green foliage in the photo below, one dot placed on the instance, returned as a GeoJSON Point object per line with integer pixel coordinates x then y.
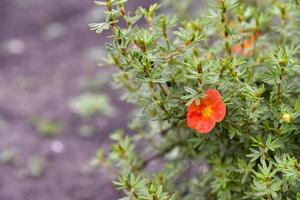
{"type": "Point", "coordinates": [46, 127]}
{"type": "Point", "coordinates": [9, 155]}
{"type": "Point", "coordinates": [87, 105]}
{"type": "Point", "coordinates": [35, 167]}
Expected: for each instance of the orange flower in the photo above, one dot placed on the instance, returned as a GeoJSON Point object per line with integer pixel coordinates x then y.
{"type": "Point", "coordinates": [245, 48]}
{"type": "Point", "coordinates": [203, 117]}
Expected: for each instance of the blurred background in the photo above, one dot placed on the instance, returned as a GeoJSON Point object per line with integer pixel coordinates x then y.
{"type": "Point", "coordinates": [56, 106]}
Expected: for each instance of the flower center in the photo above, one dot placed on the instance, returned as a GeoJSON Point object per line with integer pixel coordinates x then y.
{"type": "Point", "coordinates": [207, 112]}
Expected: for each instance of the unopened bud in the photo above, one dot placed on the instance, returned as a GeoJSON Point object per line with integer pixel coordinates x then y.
{"type": "Point", "coordinates": [287, 117]}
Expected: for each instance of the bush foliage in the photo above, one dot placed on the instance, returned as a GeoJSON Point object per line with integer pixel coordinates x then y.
{"type": "Point", "coordinates": [247, 50]}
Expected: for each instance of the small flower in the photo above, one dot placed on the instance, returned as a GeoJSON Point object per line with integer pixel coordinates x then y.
{"type": "Point", "coordinates": [245, 48]}
{"type": "Point", "coordinates": [203, 117]}
{"type": "Point", "coordinates": [287, 118]}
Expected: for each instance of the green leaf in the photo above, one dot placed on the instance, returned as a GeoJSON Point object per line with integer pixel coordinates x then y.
{"type": "Point", "coordinates": [99, 27]}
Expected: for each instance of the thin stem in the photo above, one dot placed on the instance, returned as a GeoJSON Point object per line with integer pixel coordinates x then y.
{"type": "Point", "coordinates": [159, 155]}
{"type": "Point", "coordinates": [282, 22]}
{"type": "Point", "coordinates": [279, 89]}
{"type": "Point", "coordinates": [199, 69]}
{"type": "Point", "coordinates": [220, 76]}
{"type": "Point", "coordinates": [164, 91]}
{"type": "Point", "coordinates": [124, 15]}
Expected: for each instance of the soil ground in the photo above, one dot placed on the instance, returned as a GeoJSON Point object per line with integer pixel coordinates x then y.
{"type": "Point", "coordinates": [46, 48]}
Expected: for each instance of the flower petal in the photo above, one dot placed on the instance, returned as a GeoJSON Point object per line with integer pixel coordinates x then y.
{"type": "Point", "coordinates": [193, 107]}
{"type": "Point", "coordinates": [219, 111]}
{"type": "Point", "coordinates": [237, 48]}
{"type": "Point", "coordinates": [205, 125]}
{"type": "Point", "coordinates": [249, 42]}
{"type": "Point", "coordinates": [212, 97]}
{"type": "Point", "coordinates": [192, 119]}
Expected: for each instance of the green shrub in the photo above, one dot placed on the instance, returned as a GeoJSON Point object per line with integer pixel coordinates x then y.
{"type": "Point", "coordinates": [246, 50]}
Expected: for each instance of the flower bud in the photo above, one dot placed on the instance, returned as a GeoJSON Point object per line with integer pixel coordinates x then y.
{"type": "Point", "coordinates": [287, 117]}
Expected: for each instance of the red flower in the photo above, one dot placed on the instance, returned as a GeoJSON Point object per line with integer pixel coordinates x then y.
{"type": "Point", "coordinates": [203, 117]}
{"type": "Point", "coordinates": [245, 48]}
